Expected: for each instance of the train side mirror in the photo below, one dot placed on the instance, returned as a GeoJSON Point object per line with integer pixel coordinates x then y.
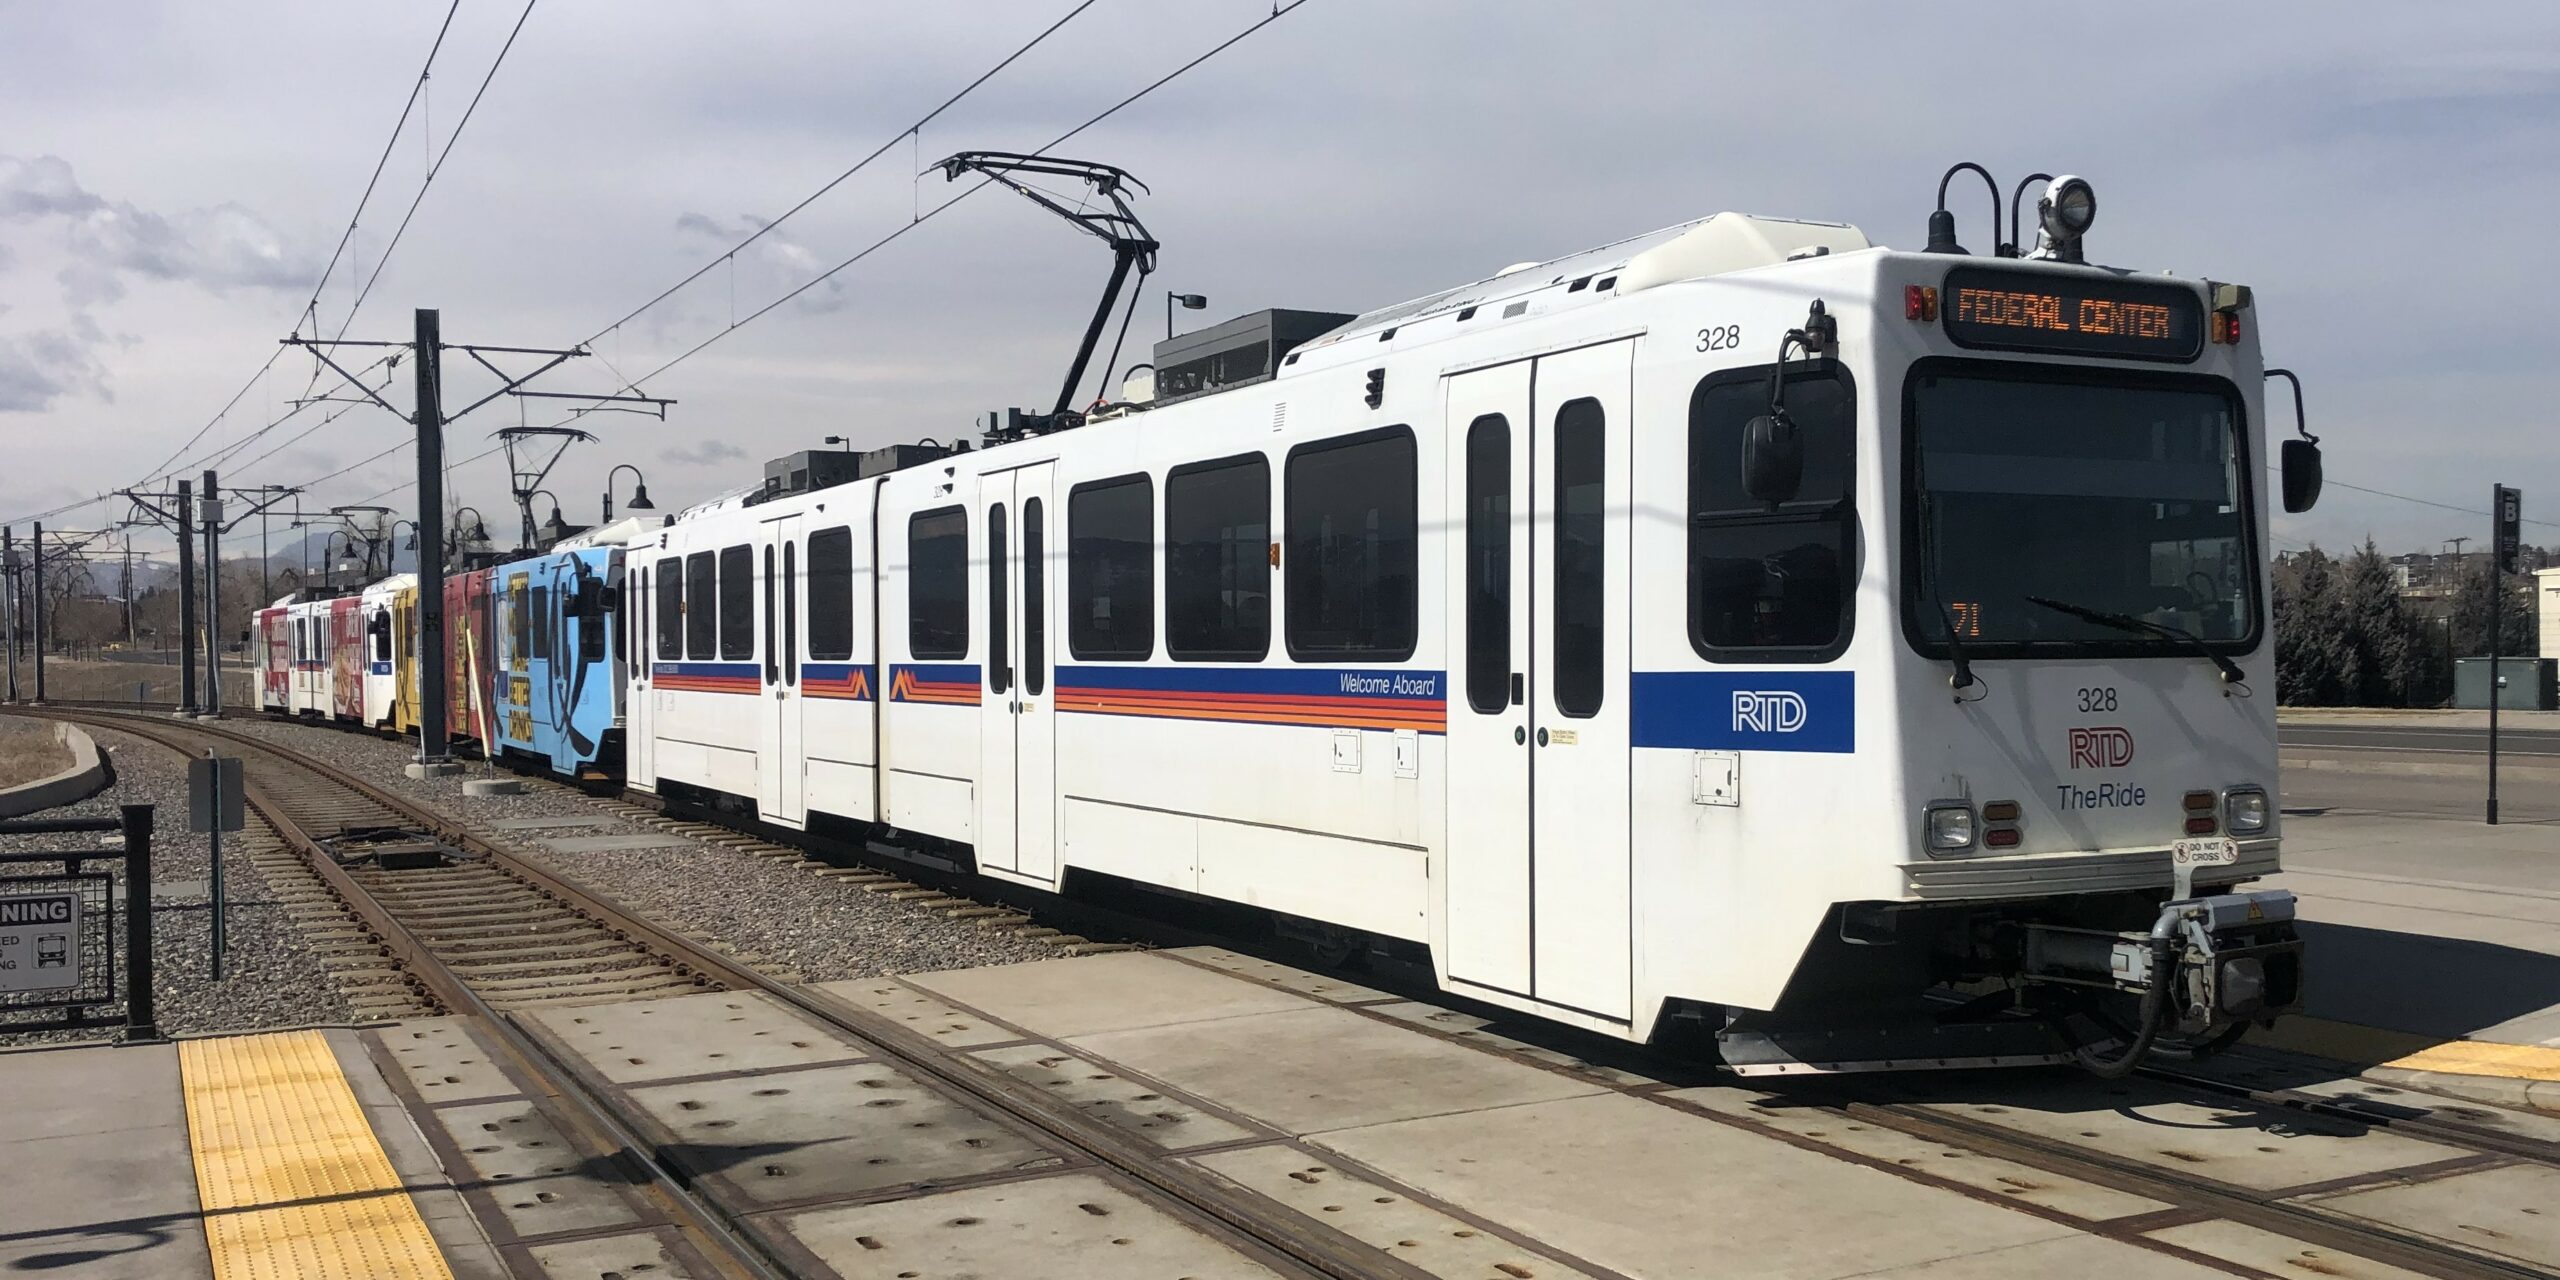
{"type": "Point", "coordinates": [1772, 457]}
{"type": "Point", "coordinates": [2299, 463]}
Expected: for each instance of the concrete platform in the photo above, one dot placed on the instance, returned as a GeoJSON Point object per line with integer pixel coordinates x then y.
{"type": "Point", "coordinates": [1437, 1142]}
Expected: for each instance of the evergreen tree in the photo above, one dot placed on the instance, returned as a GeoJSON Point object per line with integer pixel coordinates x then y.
{"type": "Point", "coordinates": [2310, 658]}
{"type": "Point", "coordinates": [2388, 643]}
{"type": "Point", "coordinates": [2522, 633]}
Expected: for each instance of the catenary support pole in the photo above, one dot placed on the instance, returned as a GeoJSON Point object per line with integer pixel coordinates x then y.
{"type": "Point", "coordinates": [9, 604]}
{"type": "Point", "coordinates": [433, 756]}
{"type": "Point", "coordinates": [186, 514]}
{"type": "Point", "coordinates": [41, 619]}
{"type": "Point", "coordinates": [212, 500]}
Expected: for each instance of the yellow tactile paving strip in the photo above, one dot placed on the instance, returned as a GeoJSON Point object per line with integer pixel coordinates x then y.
{"type": "Point", "coordinates": [2484, 1058]}
{"type": "Point", "coordinates": [294, 1184]}
{"type": "Point", "coordinates": [2379, 1047]}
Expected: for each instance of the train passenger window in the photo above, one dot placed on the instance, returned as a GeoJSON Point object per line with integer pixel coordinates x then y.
{"type": "Point", "coordinates": [938, 584]}
{"type": "Point", "coordinates": [1771, 582]}
{"type": "Point", "coordinates": [831, 595]}
{"type": "Point", "coordinates": [382, 636]}
{"type": "Point", "coordinates": [1035, 606]}
{"type": "Point", "coordinates": [1488, 584]}
{"type": "Point", "coordinates": [519, 620]}
{"type": "Point", "coordinates": [591, 628]}
{"type": "Point", "coordinates": [791, 613]}
{"type": "Point", "coordinates": [999, 669]}
{"type": "Point", "coordinates": [1111, 569]}
{"type": "Point", "coordinates": [701, 606]}
{"type": "Point", "coordinates": [1351, 556]}
{"type": "Point", "coordinates": [1217, 561]}
{"type": "Point", "coordinates": [631, 621]}
{"type": "Point", "coordinates": [772, 651]}
{"type": "Point", "coordinates": [1580, 563]}
{"type": "Point", "coordinates": [737, 604]}
{"type": "Point", "coordinates": [670, 608]}
{"type": "Point", "coordinates": [541, 624]}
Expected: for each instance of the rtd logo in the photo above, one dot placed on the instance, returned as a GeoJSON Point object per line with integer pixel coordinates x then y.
{"type": "Point", "coordinates": [2103, 747]}
{"type": "Point", "coordinates": [1767, 711]}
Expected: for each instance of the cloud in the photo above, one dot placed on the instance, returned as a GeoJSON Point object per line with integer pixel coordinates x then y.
{"type": "Point", "coordinates": [43, 366]}
{"type": "Point", "coordinates": [775, 262]}
{"type": "Point", "coordinates": [109, 242]}
{"type": "Point", "coordinates": [707, 453]}
{"type": "Point", "coordinates": [220, 248]}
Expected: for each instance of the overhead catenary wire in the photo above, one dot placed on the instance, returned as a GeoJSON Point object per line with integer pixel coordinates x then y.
{"type": "Point", "coordinates": [384, 258]}
{"type": "Point", "coordinates": [169, 466]}
{"type": "Point", "coordinates": [910, 131]}
{"type": "Point", "coordinates": [1278, 12]}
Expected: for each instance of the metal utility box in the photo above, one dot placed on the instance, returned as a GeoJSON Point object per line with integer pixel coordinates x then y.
{"type": "Point", "coordinates": [1245, 350]}
{"type": "Point", "coordinates": [2527, 684]}
{"type": "Point", "coordinates": [898, 457]}
{"type": "Point", "coordinates": [807, 470]}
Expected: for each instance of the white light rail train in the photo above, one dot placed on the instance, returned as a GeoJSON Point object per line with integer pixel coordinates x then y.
{"type": "Point", "coordinates": [1861, 657]}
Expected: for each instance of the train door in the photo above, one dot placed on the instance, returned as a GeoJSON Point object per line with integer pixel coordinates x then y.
{"type": "Point", "coordinates": [639, 618]}
{"type": "Point", "coordinates": [783, 768]}
{"type": "Point", "coordinates": [1017, 774]}
{"type": "Point", "coordinates": [558, 646]}
{"type": "Point", "coordinates": [1539, 875]}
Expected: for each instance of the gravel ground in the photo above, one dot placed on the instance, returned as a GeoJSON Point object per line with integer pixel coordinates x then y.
{"type": "Point", "coordinates": [272, 980]}
{"type": "Point", "coordinates": [826, 929]}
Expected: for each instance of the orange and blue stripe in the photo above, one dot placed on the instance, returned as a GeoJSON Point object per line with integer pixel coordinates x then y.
{"type": "Point", "coordinates": [840, 681]}
{"type": "Point", "coordinates": [952, 684]}
{"type": "Point", "coordinates": [1332, 697]}
{"type": "Point", "coordinates": [708, 677]}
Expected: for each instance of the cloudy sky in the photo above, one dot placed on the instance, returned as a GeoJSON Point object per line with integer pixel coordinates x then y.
{"type": "Point", "coordinates": [175, 176]}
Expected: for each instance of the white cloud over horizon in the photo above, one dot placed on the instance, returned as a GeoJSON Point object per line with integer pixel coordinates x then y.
{"type": "Point", "coordinates": [175, 175]}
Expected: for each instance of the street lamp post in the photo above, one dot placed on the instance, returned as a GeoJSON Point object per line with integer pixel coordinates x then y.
{"type": "Point", "coordinates": [639, 490]}
{"type": "Point", "coordinates": [553, 529]}
{"type": "Point", "coordinates": [1189, 302]}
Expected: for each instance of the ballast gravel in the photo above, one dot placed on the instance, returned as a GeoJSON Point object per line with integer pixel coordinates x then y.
{"type": "Point", "coordinates": [272, 978]}
{"type": "Point", "coordinates": [763, 908]}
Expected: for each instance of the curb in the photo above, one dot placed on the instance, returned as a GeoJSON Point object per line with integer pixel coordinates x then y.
{"type": "Point", "coordinates": [90, 773]}
{"type": "Point", "coordinates": [2312, 760]}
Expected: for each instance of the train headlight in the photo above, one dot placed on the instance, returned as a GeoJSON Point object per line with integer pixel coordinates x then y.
{"type": "Point", "coordinates": [2244, 811]}
{"type": "Point", "coordinates": [2069, 206]}
{"type": "Point", "coordinates": [1950, 827]}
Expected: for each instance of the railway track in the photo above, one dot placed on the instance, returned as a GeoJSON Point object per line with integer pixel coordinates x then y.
{"type": "Point", "coordinates": [436, 916]}
{"type": "Point", "coordinates": [458, 913]}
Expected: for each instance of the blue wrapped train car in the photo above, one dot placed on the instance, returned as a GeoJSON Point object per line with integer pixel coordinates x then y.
{"type": "Point", "coordinates": [557, 674]}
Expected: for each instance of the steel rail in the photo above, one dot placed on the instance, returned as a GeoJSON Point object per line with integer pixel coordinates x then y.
{"type": "Point", "coordinates": [592, 1125]}
{"type": "Point", "coordinates": [1276, 1233]}
{"type": "Point", "coordinates": [1252, 1225]}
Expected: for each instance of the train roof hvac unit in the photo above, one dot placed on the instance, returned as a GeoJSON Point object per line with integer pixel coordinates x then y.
{"type": "Point", "coordinates": [813, 469]}
{"type": "Point", "coordinates": [1243, 351]}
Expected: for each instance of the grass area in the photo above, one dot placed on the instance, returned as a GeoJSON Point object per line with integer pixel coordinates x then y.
{"type": "Point", "coordinates": [157, 682]}
{"type": "Point", "coordinates": [28, 751]}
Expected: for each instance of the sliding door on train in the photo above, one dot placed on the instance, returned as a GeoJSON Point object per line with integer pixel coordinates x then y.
{"type": "Point", "coordinates": [782, 772]}
{"type": "Point", "coordinates": [1541, 456]}
{"type": "Point", "coordinates": [1017, 773]}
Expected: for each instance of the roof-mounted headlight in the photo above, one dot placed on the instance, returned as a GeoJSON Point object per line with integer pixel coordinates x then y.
{"type": "Point", "coordinates": [2065, 213]}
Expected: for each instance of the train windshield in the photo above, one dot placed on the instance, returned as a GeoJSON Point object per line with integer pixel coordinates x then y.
{"type": "Point", "coordinates": [2069, 511]}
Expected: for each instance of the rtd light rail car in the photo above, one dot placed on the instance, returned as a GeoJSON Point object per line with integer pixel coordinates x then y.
{"type": "Point", "coordinates": [1862, 656]}
{"type": "Point", "coordinates": [1740, 627]}
{"type": "Point", "coordinates": [558, 687]}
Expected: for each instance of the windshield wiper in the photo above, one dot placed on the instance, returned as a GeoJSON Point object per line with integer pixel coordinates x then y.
{"type": "Point", "coordinates": [1963, 677]}
{"type": "Point", "coordinates": [2231, 673]}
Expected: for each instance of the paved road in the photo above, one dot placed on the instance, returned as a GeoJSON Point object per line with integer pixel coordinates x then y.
{"type": "Point", "coordinates": [2533, 742]}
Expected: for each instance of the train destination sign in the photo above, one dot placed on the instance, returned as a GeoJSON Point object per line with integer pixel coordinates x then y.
{"type": "Point", "coordinates": [1989, 308]}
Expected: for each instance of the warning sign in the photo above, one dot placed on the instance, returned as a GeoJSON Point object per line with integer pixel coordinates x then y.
{"type": "Point", "coordinates": [40, 942]}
